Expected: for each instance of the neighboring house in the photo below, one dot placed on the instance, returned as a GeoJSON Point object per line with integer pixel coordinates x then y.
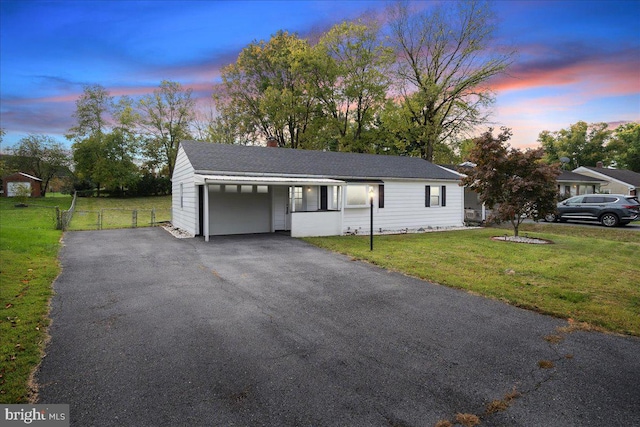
{"type": "Point", "coordinates": [574, 184]}
{"type": "Point", "coordinates": [569, 184]}
{"type": "Point", "coordinates": [474, 210]}
{"type": "Point", "coordinates": [617, 181]}
{"type": "Point", "coordinates": [12, 183]}
{"type": "Point", "coordinates": [223, 189]}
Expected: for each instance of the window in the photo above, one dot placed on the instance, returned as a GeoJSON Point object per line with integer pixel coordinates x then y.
{"type": "Point", "coordinates": [262, 189]}
{"type": "Point", "coordinates": [431, 196]}
{"type": "Point", "coordinates": [297, 198]}
{"type": "Point", "coordinates": [230, 188]}
{"type": "Point", "coordinates": [181, 195]}
{"type": "Point", "coordinates": [593, 199]}
{"type": "Point", "coordinates": [357, 195]}
{"type": "Point", "coordinates": [381, 196]}
{"type": "Point", "coordinates": [435, 196]}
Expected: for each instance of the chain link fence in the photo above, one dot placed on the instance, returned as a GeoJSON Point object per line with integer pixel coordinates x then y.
{"type": "Point", "coordinates": [63, 217]}
{"type": "Point", "coordinates": [110, 218]}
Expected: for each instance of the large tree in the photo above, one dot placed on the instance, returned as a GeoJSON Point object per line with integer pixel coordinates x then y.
{"type": "Point", "coordinates": [513, 183]}
{"type": "Point", "coordinates": [445, 60]}
{"type": "Point", "coordinates": [349, 79]}
{"type": "Point", "coordinates": [624, 147]}
{"type": "Point", "coordinates": [264, 93]}
{"type": "Point", "coordinates": [165, 119]}
{"type": "Point", "coordinates": [583, 144]}
{"type": "Point", "coordinates": [107, 161]}
{"type": "Point", "coordinates": [104, 139]}
{"type": "Point", "coordinates": [40, 155]}
{"type": "Point", "coordinates": [93, 109]}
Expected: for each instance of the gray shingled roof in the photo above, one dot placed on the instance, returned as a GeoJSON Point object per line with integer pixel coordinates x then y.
{"type": "Point", "coordinates": [624, 175]}
{"type": "Point", "coordinates": [226, 158]}
{"type": "Point", "coordinates": [576, 177]}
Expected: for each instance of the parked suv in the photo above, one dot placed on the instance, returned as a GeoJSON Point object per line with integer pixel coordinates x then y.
{"type": "Point", "coordinates": [608, 209]}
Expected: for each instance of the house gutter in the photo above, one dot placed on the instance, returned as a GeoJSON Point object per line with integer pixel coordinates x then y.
{"type": "Point", "coordinates": [334, 177]}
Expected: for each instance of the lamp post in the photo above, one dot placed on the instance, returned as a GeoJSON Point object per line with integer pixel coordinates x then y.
{"type": "Point", "coordinates": [371, 219]}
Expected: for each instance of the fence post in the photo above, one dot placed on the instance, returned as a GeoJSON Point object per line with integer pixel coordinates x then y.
{"type": "Point", "coordinates": [100, 215]}
{"type": "Point", "coordinates": [58, 219]}
{"type": "Point", "coordinates": [153, 217]}
{"type": "Point", "coordinates": [134, 218]}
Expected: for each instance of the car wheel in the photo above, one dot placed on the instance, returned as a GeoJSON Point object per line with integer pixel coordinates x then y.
{"type": "Point", "coordinates": [609, 220]}
{"type": "Point", "coordinates": [550, 217]}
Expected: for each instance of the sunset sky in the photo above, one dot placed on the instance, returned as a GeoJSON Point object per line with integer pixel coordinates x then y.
{"type": "Point", "coordinates": [578, 60]}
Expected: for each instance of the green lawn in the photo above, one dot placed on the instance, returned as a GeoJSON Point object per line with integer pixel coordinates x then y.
{"type": "Point", "coordinates": [590, 274]}
{"type": "Point", "coordinates": [106, 212]}
{"type": "Point", "coordinates": [29, 246]}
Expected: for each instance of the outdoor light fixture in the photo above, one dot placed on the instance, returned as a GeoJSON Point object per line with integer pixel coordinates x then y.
{"type": "Point", "coordinates": [371, 193]}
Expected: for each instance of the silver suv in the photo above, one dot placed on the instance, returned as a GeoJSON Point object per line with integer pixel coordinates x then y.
{"type": "Point", "coordinates": [608, 209]}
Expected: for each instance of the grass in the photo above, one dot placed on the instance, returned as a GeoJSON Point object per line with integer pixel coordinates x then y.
{"type": "Point", "coordinates": [29, 245]}
{"type": "Point", "coordinates": [589, 275]}
{"type": "Point", "coordinates": [118, 212]}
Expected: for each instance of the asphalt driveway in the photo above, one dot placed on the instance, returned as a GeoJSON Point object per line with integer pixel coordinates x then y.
{"type": "Point", "coordinates": [150, 330]}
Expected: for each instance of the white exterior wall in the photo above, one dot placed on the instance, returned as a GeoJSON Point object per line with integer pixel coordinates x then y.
{"type": "Point", "coordinates": [313, 224]}
{"type": "Point", "coordinates": [184, 217]}
{"type": "Point", "coordinates": [404, 207]}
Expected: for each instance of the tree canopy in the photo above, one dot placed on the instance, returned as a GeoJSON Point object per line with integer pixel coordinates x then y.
{"type": "Point", "coordinates": [583, 144]}
{"type": "Point", "coordinates": [41, 156]}
{"type": "Point", "coordinates": [412, 90]}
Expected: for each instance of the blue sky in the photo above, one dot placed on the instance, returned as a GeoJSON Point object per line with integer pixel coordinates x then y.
{"type": "Point", "coordinates": [578, 60]}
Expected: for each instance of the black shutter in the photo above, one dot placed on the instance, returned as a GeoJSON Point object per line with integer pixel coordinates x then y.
{"type": "Point", "coordinates": [323, 198]}
{"type": "Point", "coordinates": [443, 195]}
{"type": "Point", "coordinates": [427, 196]}
{"type": "Point", "coordinates": [381, 196]}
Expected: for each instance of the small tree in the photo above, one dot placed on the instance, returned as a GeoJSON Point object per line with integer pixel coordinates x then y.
{"type": "Point", "coordinates": [22, 194]}
{"type": "Point", "coordinates": [514, 183]}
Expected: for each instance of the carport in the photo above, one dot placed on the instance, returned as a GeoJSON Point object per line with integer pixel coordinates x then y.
{"type": "Point", "coordinates": [243, 204]}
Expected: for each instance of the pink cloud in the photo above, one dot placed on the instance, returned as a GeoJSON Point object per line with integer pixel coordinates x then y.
{"type": "Point", "coordinates": [613, 74]}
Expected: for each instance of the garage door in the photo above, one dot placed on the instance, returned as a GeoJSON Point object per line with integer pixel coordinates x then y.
{"type": "Point", "coordinates": [241, 209]}
{"type": "Point", "coordinates": [13, 188]}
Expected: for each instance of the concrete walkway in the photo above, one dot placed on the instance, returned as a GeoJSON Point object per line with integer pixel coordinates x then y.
{"type": "Point", "coordinates": [150, 330]}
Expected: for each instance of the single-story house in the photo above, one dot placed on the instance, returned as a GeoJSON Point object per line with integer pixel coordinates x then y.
{"type": "Point", "coordinates": [221, 189]}
{"type": "Point", "coordinates": [574, 184]}
{"type": "Point", "coordinates": [616, 181]}
{"type": "Point", "coordinates": [12, 183]}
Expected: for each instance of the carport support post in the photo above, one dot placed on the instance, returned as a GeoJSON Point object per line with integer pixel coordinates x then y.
{"type": "Point", "coordinates": [371, 219]}
{"type": "Point", "coordinates": [205, 221]}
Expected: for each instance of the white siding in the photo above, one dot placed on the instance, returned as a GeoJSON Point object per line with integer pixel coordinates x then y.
{"type": "Point", "coordinates": [321, 223]}
{"type": "Point", "coordinates": [185, 217]}
{"type": "Point", "coordinates": [404, 208]}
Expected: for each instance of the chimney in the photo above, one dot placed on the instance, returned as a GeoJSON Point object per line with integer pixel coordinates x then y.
{"type": "Point", "coordinates": [272, 141]}
{"type": "Point", "coordinates": [599, 165]}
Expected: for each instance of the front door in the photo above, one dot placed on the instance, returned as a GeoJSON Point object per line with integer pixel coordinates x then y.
{"type": "Point", "coordinates": [281, 209]}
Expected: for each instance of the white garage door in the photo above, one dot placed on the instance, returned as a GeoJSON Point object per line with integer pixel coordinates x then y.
{"type": "Point", "coordinates": [14, 187]}
{"type": "Point", "coordinates": [239, 210]}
